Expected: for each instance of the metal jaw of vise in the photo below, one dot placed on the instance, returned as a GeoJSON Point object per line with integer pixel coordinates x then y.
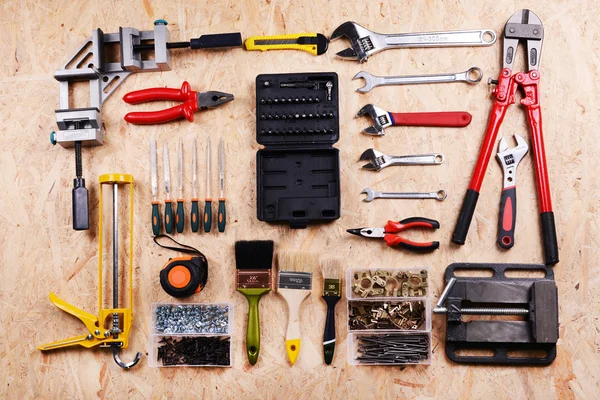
{"type": "Point", "coordinates": [112, 325]}
{"type": "Point", "coordinates": [90, 64]}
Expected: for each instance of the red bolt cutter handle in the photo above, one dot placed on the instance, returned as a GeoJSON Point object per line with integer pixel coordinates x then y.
{"type": "Point", "coordinates": [505, 95]}
{"type": "Point", "coordinates": [451, 119]}
{"type": "Point", "coordinates": [185, 110]}
{"type": "Point", "coordinates": [394, 227]}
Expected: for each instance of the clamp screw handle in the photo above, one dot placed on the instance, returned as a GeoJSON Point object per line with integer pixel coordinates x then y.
{"type": "Point", "coordinates": [53, 138]}
{"type": "Point", "coordinates": [161, 22]}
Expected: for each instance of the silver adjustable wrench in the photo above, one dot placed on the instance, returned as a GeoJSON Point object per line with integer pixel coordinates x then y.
{"type": "Point", "coordinates": [472, 76]}
{"type": "Point", "coordinates": [378, 160]}
{"type": "Point", "coordinates": [365, 43]}
{"type": "Point", "coordinates": [509, 161]}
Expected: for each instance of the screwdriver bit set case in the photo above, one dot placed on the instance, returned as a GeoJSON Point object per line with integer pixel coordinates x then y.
{"type": "Point", "coordinates": [397, 308]}
{"type": "Point", "coordinates": [298, 170]}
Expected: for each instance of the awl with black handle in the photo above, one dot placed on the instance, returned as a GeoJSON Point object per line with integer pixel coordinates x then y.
{"type": "Point", "coordinates": [155, 209]}
{"type": "Point", "coordinates": [195, 217]}
{"type": "Point", "coordinates": [169, 217]}
{"type": "Point", "coordinates": [222, 214]}
{"type": "Point", "coordinates": [179, 216]}
{"type": "Point", "coordinates": [207, 218]}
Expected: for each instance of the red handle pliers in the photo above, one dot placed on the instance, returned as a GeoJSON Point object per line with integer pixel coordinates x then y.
{"type": "Point", "coordinates": [387, 233]}
{"type": "Point", "coordinates": [192, 102]}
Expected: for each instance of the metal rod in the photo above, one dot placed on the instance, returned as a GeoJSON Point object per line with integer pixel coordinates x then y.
{"type": "Point", "coordinates": [115, 258]}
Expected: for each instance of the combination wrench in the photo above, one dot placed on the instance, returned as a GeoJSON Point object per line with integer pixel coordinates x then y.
{"type": "Point", "coordinates": [472, 76]}
{"type": "Point", "coordinates": [440, 195]}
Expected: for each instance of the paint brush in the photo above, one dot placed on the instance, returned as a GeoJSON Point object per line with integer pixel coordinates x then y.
{"type": "Point", "coordinates": [332, 284]}
{"type": "Point", "coordinates": [253, 260]}
{"type": "Point", "coordinates": [294, 285]}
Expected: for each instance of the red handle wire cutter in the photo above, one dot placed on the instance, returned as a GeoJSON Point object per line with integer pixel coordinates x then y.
{"type": "Point", "coordinates": [387, 233]}
{"type": "Point", "coordinates": [523, 25]}
{"type": "Point", "coordinates": [192, 102]}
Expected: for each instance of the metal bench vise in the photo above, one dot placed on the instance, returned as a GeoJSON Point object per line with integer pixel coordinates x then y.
{"type": "Point", "coordinates": [527, 332]}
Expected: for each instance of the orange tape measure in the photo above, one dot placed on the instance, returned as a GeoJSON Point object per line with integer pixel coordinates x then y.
{"type": "Point", "coordinates": [183, 276]}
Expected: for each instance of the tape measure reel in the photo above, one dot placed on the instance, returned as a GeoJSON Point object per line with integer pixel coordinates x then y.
{"type": "Point", "coordinates": [183, 276]}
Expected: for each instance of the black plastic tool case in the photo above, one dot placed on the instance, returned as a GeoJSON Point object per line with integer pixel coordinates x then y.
{"type": "Point", "coordinates": [298, 171]}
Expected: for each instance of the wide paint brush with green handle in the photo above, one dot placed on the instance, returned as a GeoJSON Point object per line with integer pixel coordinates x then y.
{"type": "Point", "coordinates": [254, 261]}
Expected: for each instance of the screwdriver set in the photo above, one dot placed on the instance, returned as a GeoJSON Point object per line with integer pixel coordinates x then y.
{"type": "Point", "coordinates": [298, 171]}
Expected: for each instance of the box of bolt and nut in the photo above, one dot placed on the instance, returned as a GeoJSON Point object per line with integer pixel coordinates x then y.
{"type": "Point", "coordinates": [389, 316]}
{"type": "Point", "coordinates": [191, 335]}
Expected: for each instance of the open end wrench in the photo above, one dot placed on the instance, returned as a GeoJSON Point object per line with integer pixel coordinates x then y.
{"type": "Point", "coordinates": [472, 76]}
{"type": "Point", "coordinates": [364, 43]}
{"type": "Point", "coordinates": [440, 195]}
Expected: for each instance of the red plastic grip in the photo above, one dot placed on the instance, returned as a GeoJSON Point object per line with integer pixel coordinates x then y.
{"type": "Point", "coordinates": [450, 119]}
{"type": "Point", "coordinates": [185, 110]}
{"type": "Point", "coordinates": [415, 222]}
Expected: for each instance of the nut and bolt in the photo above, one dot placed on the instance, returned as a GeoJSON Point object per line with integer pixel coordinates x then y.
{"type": "Point", "coordinates": [196, 318]}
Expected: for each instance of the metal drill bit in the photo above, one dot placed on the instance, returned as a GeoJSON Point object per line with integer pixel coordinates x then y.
{"type": "Point", "coordinates": [221, 168]}
{"type": "Point", "coordinates": [194, 174]}
{"type": "Point", "coordinates": [153, 169]}
{"type": "Point", "coordinates": [208, 169]}
{"type": "Point", "coordinates": [180, 168]}
{"type": "Point", "coordinates": [167, 172]}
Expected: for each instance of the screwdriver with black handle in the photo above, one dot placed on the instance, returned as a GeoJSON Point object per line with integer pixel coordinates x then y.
{"type": "Point", "coordinates": [155, 209]}
{"type": "Point", "coordinates": [208, 200]}
{"type": "Point", "coordinates": [169, 217]}
{"type": "Point", "coordinates": [222, 214]}
{"type": "Point", "coordinates": [195, 217]}
{"type": "Point", "coordinates": [179, 217]}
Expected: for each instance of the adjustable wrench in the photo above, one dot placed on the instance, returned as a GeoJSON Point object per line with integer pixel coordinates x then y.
{"type": "Point", "coordinates": [383, 119]}
{"type": "Point", "coordinates": [364, 43]}
{"type": "Point", "coordinates": [440, 195]}
{"type": "Point", "coordinates": [509, 161]}
{"type": "Point", "coordinates": [472, 76]}
{"type": "Point", "coordinates": [378, 160]}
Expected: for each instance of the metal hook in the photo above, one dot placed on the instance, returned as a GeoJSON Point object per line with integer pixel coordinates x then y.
{"type": "Point", "coordinates": [120, 363]}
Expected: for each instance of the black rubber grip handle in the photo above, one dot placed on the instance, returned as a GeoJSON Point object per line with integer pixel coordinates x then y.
{"type": "Point", "coordinates": [217, 40]}
{"type": "Point", "coordinates": [179, 218]}
{"type": "Point", "coordinates": [464, 218]}
{"type": "Point", "coordinates": [221, 216]}
{"type": "Point", "coordinates": [207, 217]}
{"type": "Point", "coordinates": [195, 217]}
{"type": "Point", "coordinates": [329, 334]}
{"type": "Point", "coordinates": [549, 237]}
{"type": "Point", "coordinates": [419, 247]}
{"type": "Point", "coordinates": [155, 218]}
{"type": "Point", "coordinates": [169, 218]}
{"type": "Point", "coordinates": [507, 218]}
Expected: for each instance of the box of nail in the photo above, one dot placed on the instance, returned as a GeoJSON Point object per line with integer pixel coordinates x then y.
{"type": "Point", "coordinates": [389, 316]}
{"type": "Point", "coordinates": [192, 334]}
{"type": "Point", "coordinates": [364, 283]}
{"type": "Point", "coordinates": [389, 349]}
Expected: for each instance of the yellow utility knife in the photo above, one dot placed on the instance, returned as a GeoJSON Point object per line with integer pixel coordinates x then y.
{"type": "Point", "coordinates": [314, 43]}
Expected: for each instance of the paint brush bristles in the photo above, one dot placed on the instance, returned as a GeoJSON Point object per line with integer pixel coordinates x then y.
{"type": "Point", "coordinates": [297, 261]}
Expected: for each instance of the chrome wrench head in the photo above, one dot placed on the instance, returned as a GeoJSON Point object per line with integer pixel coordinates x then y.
{"type": "Point", "coordinates": [509, 159]}
{"type": "Point", "coordinates": [369, 81]}
{"type": "Point", "coordinates": [377, 159]}
{"type": "Point", "coordinates": [363, 42]}
{"type": "Point", "coordinates": [381, 119]}
{"type": "Point", "coordinates": [371, 194]}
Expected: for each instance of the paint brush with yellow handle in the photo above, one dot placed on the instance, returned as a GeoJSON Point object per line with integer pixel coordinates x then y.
{"type": "Point", "coordinates": [294, 285]}
{"type": "Point", "coordinates": [314, 43]}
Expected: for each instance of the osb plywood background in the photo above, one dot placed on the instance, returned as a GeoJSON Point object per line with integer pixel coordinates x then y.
{"type": "Point", "coordinates": [41, 253]}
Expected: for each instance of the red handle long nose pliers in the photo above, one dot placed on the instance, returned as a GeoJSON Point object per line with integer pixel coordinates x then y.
{"type": "Point", "coordinates": [392, 227]}
{"type": "Point", "coordinates": [192, 102]}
